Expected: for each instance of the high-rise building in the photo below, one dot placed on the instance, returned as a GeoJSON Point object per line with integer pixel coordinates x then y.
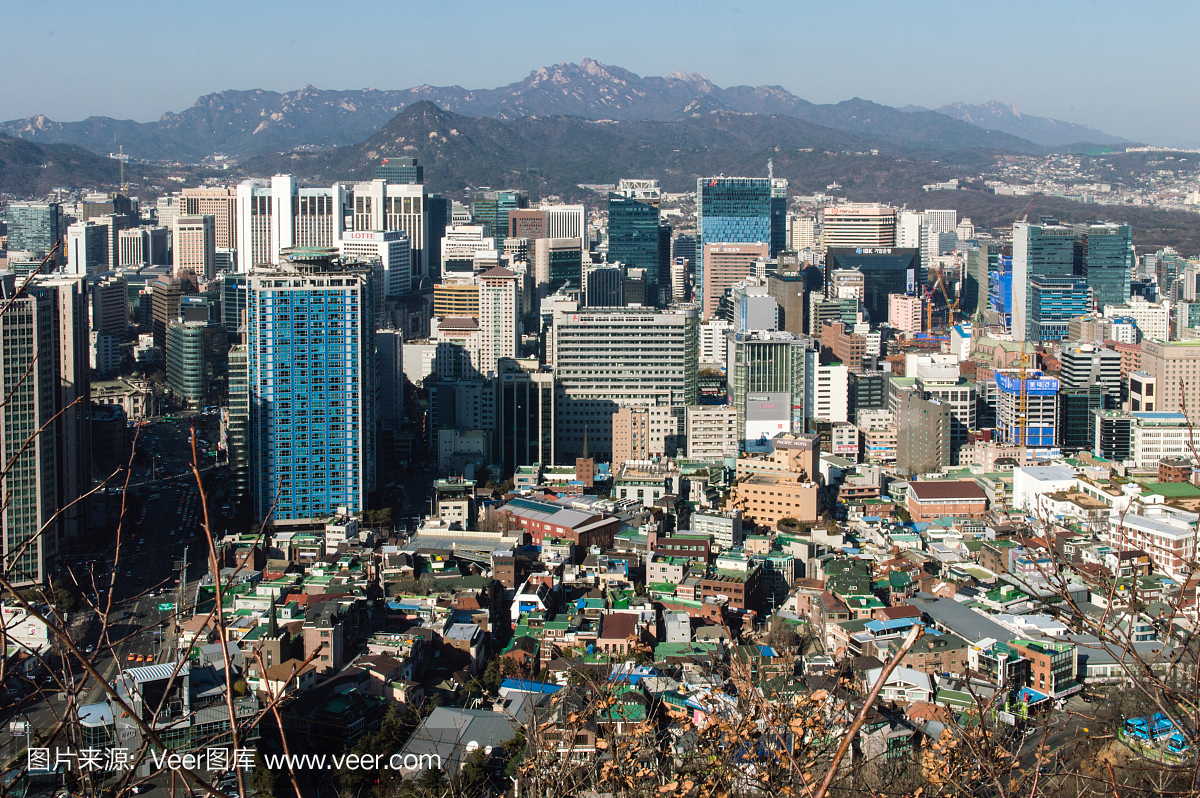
{"type": "Point", "coordinates": [841, 345]}
{"type": "Point", "coordinates": [389, 362]}
{"type": "Point", "coordinates": [400, 171]}
{"type": "Point", "coordinates": [456, 299]}
{"type": "Point", "coordinates": [604, 288]}
{"type": "Point", "coordinates": [87, 248]}
{"type": "Point", "coordinates": [977, 281]}
{"type": "Point", "coordinates": [164, 302]}
{"type": "Point", "coordinates": [1152, 319]}
{"type": "Point", "coordinates": [490, 209]}
{"type": "Point", "coordinates": [236, 420]}
{"type": "Point", "coordinates": [194, 246]}
{"type": "Point", "coordinates": [35, 227]}
{"type": "Point", "coordinates": [499, 322]}
{"type": "Point", "coordinates": [1053, 302]}
{"type": "Point", "coordinates": [311, 386]}
{"type": "Point", "coordinates": [791, 290]}
{"type": "Point", "coordinates": [826, 389]}
{"type": "Point", "coordinates": [1106, 256]}
{"type": "Point", "coordinates": [712, 432]}
{"type": "Point", "coordinates": [1041, 408]}
{"type": "Point", "coordinates": [390, 248]}
{"type": "Point", "coordinates": [608, 357]}
{"type": "Point", "coordinates": [753, 307]}
{"type": "Point", "coordinates": [558, 264]}
{"type": "Point", "coordinates": [738, 210]}
{"type": "Point", "coordinates": [567, 221]}
{"type": "Point", "coordinates": [1039, 250]}
{"type": "Point", "coordinates": [524, 414]}
{"type": "Point", "coordinates": [885, 270]}
{"type": "Point", "coordinates": [219, 203]}
{"type": "Point", "coordinates": [277, 214]}
{"type": "Point", "coordinates": [527, 223]}
{"type": "Point", "coordinates": [1000, 290]}
{"type": "Point", "coordinates": [44, 426]}
{"type": "Point", "coordinates": [142, 246]}
{"type": "Point", "coordinates": [1075, 417]}
{"type": "Point", "coordinates": [867, 390]}
{"type": "Point", "coordinates": [938, 377]}
{"type": "Point", "coordinates": [459, 247]}
{"type": "Point", "coordinates": [1086, 364]}
{"type": "Point", "coordinates": [922, 434]}
{"type": "Point", "coordinates": [1175, 367]}
{"type": "Point", "coordinates": [110, 305]}
{"type": "Point", "coordinates": [197, 357]}
{"type": "Point", "coordinates": [859, 226]}
{"type": "Point", "coordinates": [1112, 435]}
{"type": "Point", "coordinates": [380, 206]}
{"type": "Point", "coordinates": [802, 233]}
{"type": "Point", "coordinates": [766, 385]}
{"type": "Point", "coordinates": [633, 228]}
{"type": "Point", "coordinates": [726, 264]}
{"type": "Point", "coordinates": [644, 432]}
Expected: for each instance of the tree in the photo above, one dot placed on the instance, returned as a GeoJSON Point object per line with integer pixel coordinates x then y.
{"type": "Point", "coordinates": [263, 780]}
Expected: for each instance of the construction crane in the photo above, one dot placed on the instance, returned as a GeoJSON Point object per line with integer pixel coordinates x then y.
{"type": "Point", "coordinates": [951, 307]}
{"type": "Point", "coordinates": [1025, 214]}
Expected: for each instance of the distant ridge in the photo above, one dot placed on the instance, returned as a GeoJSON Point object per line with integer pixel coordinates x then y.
{"type": "Point", "coordinates": [255, 122]}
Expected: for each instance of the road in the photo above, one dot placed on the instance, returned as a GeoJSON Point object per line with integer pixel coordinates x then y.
{"type": "Point", "coordinates": [153, 540]}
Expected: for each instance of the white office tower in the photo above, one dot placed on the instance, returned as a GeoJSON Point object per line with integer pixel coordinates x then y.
{"type": "Point", "coordinates": [937, 223]}
{"type": "Point", "coordinates": [87, 248]}
{"type": "Point", "coordinates": [607, 358]}
{"type": "Point", "coordinates": [499, 325]}
{"type": "Point", "coordinates": [908, 229]}
{"type": "Point", "coordinates": [390, 248]}
{"type": "Point", "coordinates": [713, 348]}
{"type": "Point", "coordinates": [567, 221]}
{"type": "Point", "coordinates": [459, 246]}
{"type": "Point", "coordinates": [858, 225]}
{"type": "Point", "coordinates": [679, 281]}
{"type": "Point", "coordinates": [802, 233]}
{"type": "Point", "coordinates": [278, 214]}
{"type": "Point", "coordinates": [379, 205]}
{"type": "Point", "coordinates": [826, 389]}
{"type": "Point", "coordinates": [44, 427]}
{"type": "Point", "coordinates": [194, 248]}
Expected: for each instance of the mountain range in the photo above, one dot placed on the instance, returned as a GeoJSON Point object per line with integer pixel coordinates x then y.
{"type": "Point", "coordinates": [256, 122]}
{"type": "Point", "coordinates": [554, 154]}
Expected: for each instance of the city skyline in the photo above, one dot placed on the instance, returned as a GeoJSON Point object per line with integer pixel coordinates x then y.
{"type": "Point", "coordinates": [884, 57]}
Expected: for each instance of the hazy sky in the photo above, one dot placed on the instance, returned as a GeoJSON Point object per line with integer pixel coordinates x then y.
{"type": "Point", "coordinates": [1126, 68]}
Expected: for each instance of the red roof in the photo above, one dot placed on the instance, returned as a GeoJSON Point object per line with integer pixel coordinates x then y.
{"type": "Point", "coordinates": [932, 490]}
{"type": "Point", "coordinates": [617, 626]}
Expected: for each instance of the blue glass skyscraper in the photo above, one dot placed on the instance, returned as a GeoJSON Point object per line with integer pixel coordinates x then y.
{"type": "Point", "coordinates": [1039, 250]}
{"type": "Point", "coordinates": [311, 385]}
{"type": "Point", "coordinates": [739, 210]}
{"type": "Point", "coordinates": [1053, 302]}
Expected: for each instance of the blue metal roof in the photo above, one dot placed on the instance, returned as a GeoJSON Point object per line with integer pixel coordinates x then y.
{"type": "Point", "coordinates": [891, 625]}
{"type": "Point", "coordinates": [530, 686]}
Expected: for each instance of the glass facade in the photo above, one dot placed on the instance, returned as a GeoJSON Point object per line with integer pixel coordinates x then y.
{"type": "Point", "coordinates": [491, 208]}
{"type": "Point", "coordinates": [1039, 250]}
{"type": "Point", "coordinates": [1053, 302]}
{"type": "Point", "coordinates": [1000, 293]}
{"type": "Point", "coordinates": [310, 380]}
{"type": "Point", "coordinates": [1106, 252]}
{"type": "Point", "coordinates": [739, 210]}
{"type": "Point", "coordinates": [34, 226]}
{"type": "Point", "coordinates": [400, 171]}
{"type": "Point", "coordinates": [566, 269]}
{"type": "Point", "coordinates": [885, 271]}
{"type": "Point", "coordinates": [1076, 431]}
{"type": "Point", "coordinates": [633, 234]}
{"type": "Point", "coordinates": [197, 358]}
